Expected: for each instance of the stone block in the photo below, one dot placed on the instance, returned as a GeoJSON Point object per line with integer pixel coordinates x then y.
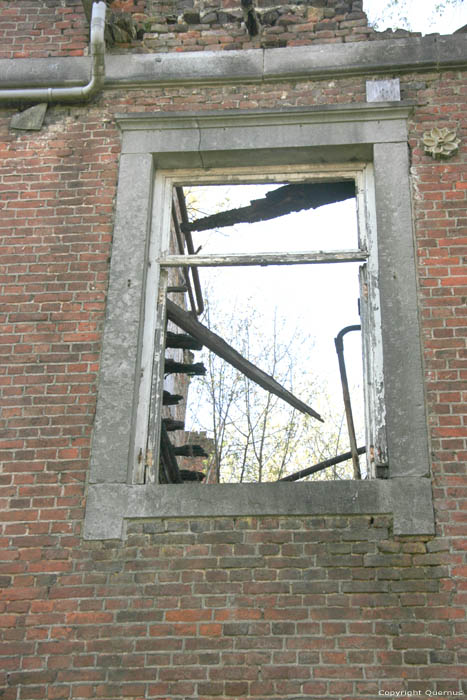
{"type": "Point", "coordinates": [31, 119]}
{"type": "Point", "coordinates": [191, 17]}
{"type": "Point", "coordinates": [383, 90]}
{"type": "Point", "coordinates": [315, 14]}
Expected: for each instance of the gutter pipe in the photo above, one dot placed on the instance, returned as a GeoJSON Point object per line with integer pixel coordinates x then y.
{"type": "Point", "coordinates": [71, 94]}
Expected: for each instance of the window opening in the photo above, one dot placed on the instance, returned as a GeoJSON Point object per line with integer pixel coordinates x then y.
{"type": "Point", "coordinates": [159, 153]}
{"type": "Point", "coordinates": [262, 235]}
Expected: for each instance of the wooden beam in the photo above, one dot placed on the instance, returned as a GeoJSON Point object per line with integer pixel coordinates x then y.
{"type": "Point", "coordinates": [190, 451]}
{"type": "Point", "coordinates": [264, 259]}
{"type": "Point", "coordinates": [168, 459]}
{"type": "Point", "coordinates": [190, 368]}
{"type": "Point", "coordinates": [278, 202]}
{"type": "Point", "coordinates": [171, 424]}
{"type": "Point", "coordinates": [191, 475]}
{"type": "Point", "coordinates": [169, 399]}
{"type": "Point", "coordinates": [181, 340]}
{"type": "Point", "coordinates": [216, 344]}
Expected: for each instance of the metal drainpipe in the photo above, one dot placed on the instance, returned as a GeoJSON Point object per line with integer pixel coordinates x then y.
{"type": "Point", "coordinates": [339, 342]}
{"type": "Point", "coordinates": [71, 94]}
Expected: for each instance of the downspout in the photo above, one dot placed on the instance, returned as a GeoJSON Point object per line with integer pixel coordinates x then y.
{"type": "Point", "coordinates": [71, 94]}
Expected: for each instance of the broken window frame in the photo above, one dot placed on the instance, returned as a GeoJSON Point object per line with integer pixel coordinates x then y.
{"type": "Point", "coordinates": [146, 448]}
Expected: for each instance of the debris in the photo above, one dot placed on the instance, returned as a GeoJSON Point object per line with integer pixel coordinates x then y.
{"type": "Point", "coordinates": [278, 203]}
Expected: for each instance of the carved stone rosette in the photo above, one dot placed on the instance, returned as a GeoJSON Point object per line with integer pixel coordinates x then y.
{"type": "Point", "coordinates": [441, 143]}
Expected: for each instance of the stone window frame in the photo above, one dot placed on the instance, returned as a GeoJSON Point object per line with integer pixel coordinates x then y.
{"type": "Point", "coordinates": [330, 134]}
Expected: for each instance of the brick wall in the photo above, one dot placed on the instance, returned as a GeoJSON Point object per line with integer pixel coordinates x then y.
{"type": "Point", "coordinates": [42, 28]}
{"type": "Point", "coordinates": [222, 608]}
{"type": "Point", "coordinates": [243, 608]}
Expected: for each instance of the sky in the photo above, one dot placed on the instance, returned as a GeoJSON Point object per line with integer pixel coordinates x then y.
{"type": "Point", "coordinates": [315, 300]}
{"type": "Point", "coordinates": [422, 15]}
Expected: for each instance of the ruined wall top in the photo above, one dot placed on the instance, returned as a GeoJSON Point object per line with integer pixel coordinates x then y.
{"type": "Point", "coordinates": [43, 28]}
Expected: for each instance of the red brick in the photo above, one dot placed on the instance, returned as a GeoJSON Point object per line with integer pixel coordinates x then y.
{"type": "Point", "coordinates": [63, 600]}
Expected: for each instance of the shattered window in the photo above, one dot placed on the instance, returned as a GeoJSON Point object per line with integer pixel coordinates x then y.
{"type": "Point", "coordinates": [259, 323]}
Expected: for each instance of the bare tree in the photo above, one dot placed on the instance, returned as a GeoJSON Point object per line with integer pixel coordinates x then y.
{"type": "Point", "coordinates": [256, 436]}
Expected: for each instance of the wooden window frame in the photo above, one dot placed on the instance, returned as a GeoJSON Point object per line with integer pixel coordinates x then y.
{"type": "Point", "coordinates": [147, 427]}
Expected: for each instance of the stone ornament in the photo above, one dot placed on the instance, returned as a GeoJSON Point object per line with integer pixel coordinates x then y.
{"type": "Point", "coordinates": [441, 142]}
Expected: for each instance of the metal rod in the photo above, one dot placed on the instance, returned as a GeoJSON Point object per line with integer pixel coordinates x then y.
{"type": "Point", "coordinates": [321, 465]}
{"type": "Point", "coordinates": [191, 250]}
{"type": "Point", "coordinates": [264, 259]}
{"type": "Point", "coordinates": [339, 343]}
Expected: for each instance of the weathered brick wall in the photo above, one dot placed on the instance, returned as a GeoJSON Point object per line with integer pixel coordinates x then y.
{"type": "Point", "coordinates": [42, 28]}
{"type": "Point", "coordinates": [439, 192]}
{"type": "Point", "coordinates": [222, 28]}
{"type": "Point", "coordinates": [337, 608]}
{"type": "Point", "coordinates": [243, 608]}
{"type": "Point", "coordinates": [234, 608]}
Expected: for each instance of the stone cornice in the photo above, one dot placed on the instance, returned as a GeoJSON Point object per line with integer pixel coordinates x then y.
{"type": "Point", "coordinates": [256, 65]}
{"type": "Point", "coordinates": [362, 112]}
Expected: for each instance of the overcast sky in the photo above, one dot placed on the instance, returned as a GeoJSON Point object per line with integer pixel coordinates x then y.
{"type": "Point", "coordinates": [421, 14]}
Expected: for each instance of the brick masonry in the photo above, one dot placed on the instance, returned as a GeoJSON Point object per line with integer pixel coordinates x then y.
{"type": "Point", "coordinates": [42, 28]}
{"type": "Point", "coordinates": [206, 608]}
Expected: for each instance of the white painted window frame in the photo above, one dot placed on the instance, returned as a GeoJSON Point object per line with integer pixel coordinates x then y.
{"type": "Point", "coordinates": [145, 452]}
